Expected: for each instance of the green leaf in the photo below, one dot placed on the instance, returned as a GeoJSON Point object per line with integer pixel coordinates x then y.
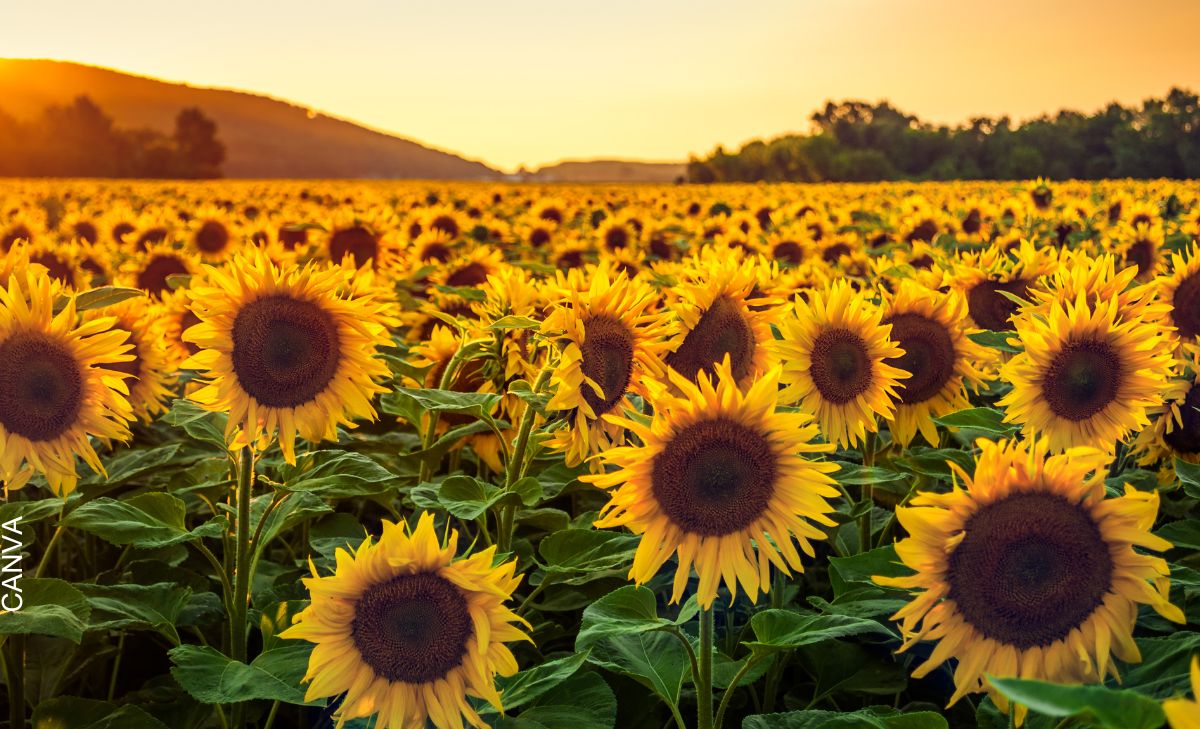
{"type": "Point", "coordinates": [1104, 707]}
{"type": "Point", "coordinates": [625, 611]}
{"type": "Point", "coordinates": [197, 422]}
{"type": "Point", "coordinates": [146, 607]}
{"type": "Point", "coordinates": [584, 701]}
{"type": "Point", "coordinates": [213, 678]}
{"type": "Point", "coordinates": [513, 321]}
{"type": "Point", "coordinates": [411, 403]}
{"type": "Point", "coordinates": [857, 571]}
{"type": "Point", "coordinates": [656, 660]}
{"type": "Point", "coordinates": [337, 475]}
{"type": "Point", "coordinates": [875, 717]}
{"type": "Point", "coordinates": [1189, 476]}
{"type": "Point", "coordinates": [145, 521]}
{"type": "Point", "coordinates": [1183, 533]}
{"type": "Point", "coordinates": [995, 340]}
{"type": "Point", "coordinates": [778, 630]}
{"type": "Point", "coordinates": [933, 461]}
{"type": "Point", "coordinates": [99, 298]}
{"type": "Point", "coordinates": [531, 683]}
{"type": "Point", "coordinates": [49, 607]}
{"type": "Point", "coordinates": [30, 511]}
{"type": "Point", "coordinates": [852, 474]}
{"type": "Point", "coordinates": [988, 421]}
{"type": "Point", "coordinates": [70, 712]}
{"type": "Point", "coordinates": [577, 556]}
{"type": "Point", "coordinates": [1164, 669]}
{"type": "Point", "coordinates": [131, 464]}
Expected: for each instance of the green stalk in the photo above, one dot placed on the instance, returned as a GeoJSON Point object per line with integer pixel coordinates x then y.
{"type": "Point", "coordinates": [515, 469]}
{"type": "Point", "coordinates": [14, 677]}
{"type": "Point", "coordinates": [865, 527]}
{"type": "Point", "coordinates": [241, 572]}
{"type": "Point", "coordinates": [751, 661]}
{"type": "Point", "coordinates": [430, 435]}
{"type": "Point", "coordinates": [704, 687]}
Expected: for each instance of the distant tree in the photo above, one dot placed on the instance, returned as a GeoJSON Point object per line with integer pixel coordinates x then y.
{"type": "Point", "coordinates": [199, 149]}
{"type": "Point", "coordinates": [80, 140]}
{"type": "Point", "coordinates": [859, 140]}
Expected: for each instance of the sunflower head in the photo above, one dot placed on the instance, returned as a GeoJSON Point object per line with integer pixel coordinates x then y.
{"type": "Point", "coordinates": [722, 481]}
{"type": "Point", "coordinates": [1085, 377]}
{"type": "Point", "coordinates": [1029, 570]}
{"type": "Point", "coordinates": [285, 349]}
{"type": "Point", "coordinates": [57, 385]}
{"type": "Point", "coordinates": [407, 631]}
{"type": "Point", "coordinates": [834, 352]}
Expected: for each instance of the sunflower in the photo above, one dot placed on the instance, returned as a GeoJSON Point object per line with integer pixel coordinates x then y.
{"type": "Point", "coordinates": [834, 351]}
{"type": "Point", "coordinates": [1174, 430]}
{"type": "Point", "coordinates": [150, 370]}
{"type": "Point", "coordinates": [717, 314]}
{"type": "Point", "coordinates": [284, 348]}
{"type": "Point", "coordinates": [407, 632]}
{"type": "Point", "coordinates": [1181, 713]}
{"type": "Point", "coordinates": [470, 269]}
{"type": "Point", "coordinates": [989, 278]}
{"type": "Point", "coordinates": [212, 235]}
{"type": "Point", "coordinates": [1029, 570]}
{"type": "Point", "coordinates": [1180, 292]}
{"type": "Point", "coordinates": [931, 329]}
{"type": "Point", "coordinates": [611, 340]}
{"type": "Point", "coordinates": [152, 269]}
{"type": "Point", "coordinates": [1141, 247]}
{"type": "Point", "coordinates": [720, 480]}
{"type": "Point", "coordinates": [1085, 377]}
{"type": "Point", "coordinates": [55, 393]}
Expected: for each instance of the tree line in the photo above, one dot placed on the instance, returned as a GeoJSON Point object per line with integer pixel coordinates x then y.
{"type": "Point", "coordinates": [79, 140]}
{"type": "Point", "coordinates": [856, 141]}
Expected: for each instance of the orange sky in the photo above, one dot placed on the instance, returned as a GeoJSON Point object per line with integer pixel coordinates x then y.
{"type": "Point", "coordinates": [536, 81]}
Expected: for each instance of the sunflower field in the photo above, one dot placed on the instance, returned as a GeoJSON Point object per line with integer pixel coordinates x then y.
{"type": "Point", "coordinates": [399, 455]}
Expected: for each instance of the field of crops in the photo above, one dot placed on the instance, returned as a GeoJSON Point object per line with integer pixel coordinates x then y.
{"type": "Point", "coordinates": [393, 455]}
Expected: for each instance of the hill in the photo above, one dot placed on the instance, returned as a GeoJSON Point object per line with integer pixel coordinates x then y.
{"type": "Point", "coordinates": [263, 137]}
{"type": "Point", "coordinates": [609, 171]}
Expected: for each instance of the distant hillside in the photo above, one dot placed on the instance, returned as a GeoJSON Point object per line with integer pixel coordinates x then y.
{"type": "Point", "coordinates": [263, 137]}
{"type": "Point", "coordinates": [609, 171]}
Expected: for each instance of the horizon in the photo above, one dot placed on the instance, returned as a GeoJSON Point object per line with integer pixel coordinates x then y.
{"type": "Point", "coordinates": [660, 100]}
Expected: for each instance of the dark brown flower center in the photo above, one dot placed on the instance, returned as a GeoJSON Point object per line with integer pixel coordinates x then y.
{"type": "Point", "coordinates": [151, 237]}
{"type": "Point", "coordinates": [835, 252]}
{"type": "Point", "coordinates": [447, 224]}
{"type": "Point", "coordinates": [841, 365]}
{"type": "Point", "coordinates": [1141, 254]}
{"type": "Point", "coordinates": [1185, 307]}
{"type": "Point", "coordinates": [1185, 436]}
{"type": "Point", "coordinates": [153, 276]}
{"type": "Point", "coordinates": [41, 386]}
{"type": "Point", "coordinates": [929, 356]}
{"type": "Point", "coordinates": [56, 267]}
{"type": "Point", "coordinates": [990, 308]}
{"type": "Point", "coordinates": [1031, 568]}
{"type": "Point", "coordinates": [412, 628]}
{"type": "Point", "coordinates": [616, 238]}
{"type": "Point", "coordinates": [714, 477]}
{"type": "Point", "coordinates": [924, 231]}
{"type": "Point", "coordinates": [285, 350]}
{"type": "Point", "coordinates": [292, 235]}
{"type": "Point", "coordinates": [788, 251]}
{"type": "Point", "coordinates": [356, 241]}
{"type": "Point", "coordinates": [472, 274]}
{"type": "Point", "coordinates": [608, 360]}
{"type": "Point", "coordinates": [86, 231]}
{"type": "Point", "coordinates": [722, 330]}
{"type": "Point", "coordinates": [14, 234]}
{"type": "Point", "coordinates": [1082, 379]}
{"type": "Point", "coordinates": [212, 237]}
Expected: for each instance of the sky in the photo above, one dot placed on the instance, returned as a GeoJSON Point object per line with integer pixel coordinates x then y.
{"type": "Point", "coordinates": [531, 82]}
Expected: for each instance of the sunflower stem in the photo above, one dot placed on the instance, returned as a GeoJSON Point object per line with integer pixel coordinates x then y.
{"type": "Point", "coordinates": [241, 572]}
{"type": "Point", "coordinates": [14, 677]}
{"type": "Point", "coordinates": [751, 662]}
{"type": "Point", "coordinates": [515, 469]}
{"type": "Point", "coordinates": [704, 688]}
